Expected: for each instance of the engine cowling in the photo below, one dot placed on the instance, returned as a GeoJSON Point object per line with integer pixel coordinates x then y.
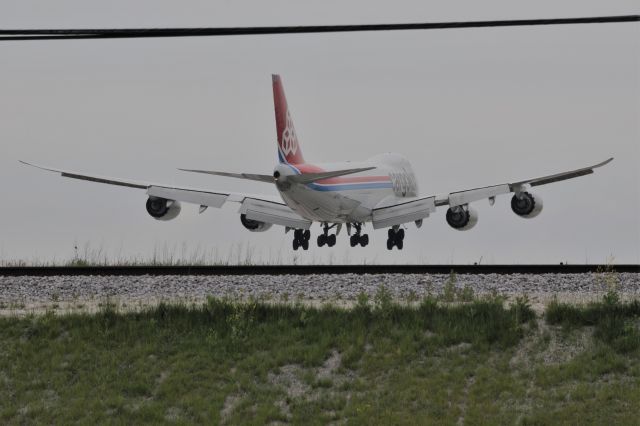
{"type": "Point", "coordinates": [163, 209]}
{"type": "Point", "coordinates": [254, 225]}
{"type": "Point", "coordinates": [526, 205]}
{"type": "Point", "coordinates": [462, 218]}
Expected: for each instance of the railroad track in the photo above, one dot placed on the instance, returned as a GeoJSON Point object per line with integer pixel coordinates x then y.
{"type": "Point", "coordinates": [309, 269]}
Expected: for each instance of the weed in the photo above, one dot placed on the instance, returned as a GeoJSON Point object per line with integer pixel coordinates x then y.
{"type": "Point", "coordinates": [411, 297]}
{"type": "Point", "coordinates": [383, 300]}
{"type": "Point", "coordinates": [466, 294]}
{"type": "Point", "coordinates": [449, 290]}
{"type": "Point", "coordinates": [362, 301]}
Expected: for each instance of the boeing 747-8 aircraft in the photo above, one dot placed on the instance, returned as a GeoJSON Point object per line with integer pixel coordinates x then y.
{"type": "Point", "coordinates": [381, 190]}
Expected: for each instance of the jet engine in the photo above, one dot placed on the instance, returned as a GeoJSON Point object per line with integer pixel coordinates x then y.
{"type": "Point", "coordinates": [254, 225]}
{"type": "Point", "coordinates": [526, 205]}
{"type": "Point", "coordinates": [462, 218]}
{"type": "Point", "coordinates": [163, 209]}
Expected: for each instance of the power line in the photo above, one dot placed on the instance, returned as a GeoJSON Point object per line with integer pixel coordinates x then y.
{"type": "Point", "coordinates": [102, 33]}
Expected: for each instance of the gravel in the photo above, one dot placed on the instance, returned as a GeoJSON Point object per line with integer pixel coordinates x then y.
{"type": "Point", "coordinates": [42, 292]}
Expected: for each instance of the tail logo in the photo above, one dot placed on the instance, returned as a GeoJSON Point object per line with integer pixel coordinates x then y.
{"type": "Point", "coordinates": [289, 139]}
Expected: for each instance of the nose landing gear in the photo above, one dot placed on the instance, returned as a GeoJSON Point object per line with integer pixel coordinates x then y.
{"type": "Point", "coordinates": [358, 238]}
{"type": "Point", "coordinates": [301, 239]}
{"type": "Point", "coordinates": [396, 238]}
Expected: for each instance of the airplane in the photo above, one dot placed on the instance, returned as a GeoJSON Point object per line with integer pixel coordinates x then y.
{"type": "Point", "coordinates": [381, 190]}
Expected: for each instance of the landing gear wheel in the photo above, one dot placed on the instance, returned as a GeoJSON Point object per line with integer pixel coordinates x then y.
{"type": "Point", "coordinates": [325, 238]}
{"type": "Point", "coordinates": [301, 239]}
{"type": "Point", "coordinates": [358, 238]}
{"type": "Point", "coordinates": [396, 238]}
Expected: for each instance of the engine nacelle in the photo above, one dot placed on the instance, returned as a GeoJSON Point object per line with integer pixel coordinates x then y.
{"type": "Point", "coordinates": [163, 209]}
{"type": "Point", "coordinates": [462, 218]}
{"type": "Point", "coordinates": [526, 205]}
{"type": "Point", "coordinates": [254, 225]}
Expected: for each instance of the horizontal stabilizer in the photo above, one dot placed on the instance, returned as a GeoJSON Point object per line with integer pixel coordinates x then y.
{"type": "Point", "coordinates": [313, 177]}
{"type": "Point", "coordinates": [247, 176]}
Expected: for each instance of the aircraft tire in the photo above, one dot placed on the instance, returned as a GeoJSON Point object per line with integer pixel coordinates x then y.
{"type": "Point", "coordinates": [296, 244]}
{"type": "Point", "coordinates": [321, 240]}
{"type": "Point", "coordinates": [331, 240]}
{"type": "Point", "coordinates": [305, 244]}
{"type": "Point", "coordinates": [354, 240]}
{"type": "Point", "coordinates": [389, 244]}
{"type": "Point", "coordinates": [364, 240]}
{"type": "Point", "coordinates": [307, 235]}
{"type": "Point", "coordinates": [399, 244]}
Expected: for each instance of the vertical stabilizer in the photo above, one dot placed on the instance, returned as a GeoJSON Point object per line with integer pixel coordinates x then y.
{"type": "Point", "coordinates": [288, 148]}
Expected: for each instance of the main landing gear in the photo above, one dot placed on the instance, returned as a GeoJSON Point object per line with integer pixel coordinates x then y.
{"type": "Point", "coordinates": [325, 238]}
{"type": "Point", "coordinates": [396, 238]}
{"type": "Point", "coordinates": [301, 239]}
{"type": "Point", "coordinates": [357, 238]}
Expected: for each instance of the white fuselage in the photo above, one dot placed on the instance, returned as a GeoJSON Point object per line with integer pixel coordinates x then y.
{"type": "Point", "coordinates": [351, 198]}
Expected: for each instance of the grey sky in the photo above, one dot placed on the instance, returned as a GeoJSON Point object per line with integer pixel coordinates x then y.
{"type": "Point", "coordinates": [468, 107]}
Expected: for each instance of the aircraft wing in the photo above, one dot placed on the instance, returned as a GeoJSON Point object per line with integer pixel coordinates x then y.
{"type": "Point", "coordinates": [414, 209]}
{"type": "Point", "coordinates": [265, 208]}
{"type": "Point", "coordinates": [464, 197]}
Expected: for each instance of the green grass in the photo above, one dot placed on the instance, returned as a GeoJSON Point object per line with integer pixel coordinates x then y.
{"type": "Point", "coordinates": [615, 322]}
{"type": "Point", "coordinates": [255, 363]}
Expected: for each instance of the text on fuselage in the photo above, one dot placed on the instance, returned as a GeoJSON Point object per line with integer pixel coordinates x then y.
{"type": "Point", "coordinates": [404, 184]}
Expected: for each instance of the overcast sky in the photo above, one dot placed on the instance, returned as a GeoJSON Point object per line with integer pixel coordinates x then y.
{"type": "Point", "coordinates": [468, 107]}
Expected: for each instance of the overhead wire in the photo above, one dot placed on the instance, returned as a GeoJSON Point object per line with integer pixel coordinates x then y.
{"type": "Point", "coordinates": [112, 33]}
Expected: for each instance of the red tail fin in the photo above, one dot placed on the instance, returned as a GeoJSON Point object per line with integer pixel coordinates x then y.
{"type": "Point", "coordinates": [288, 148]}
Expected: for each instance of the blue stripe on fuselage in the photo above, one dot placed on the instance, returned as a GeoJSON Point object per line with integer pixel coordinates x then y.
{"type": "Point", "coordinates": [347, 187]}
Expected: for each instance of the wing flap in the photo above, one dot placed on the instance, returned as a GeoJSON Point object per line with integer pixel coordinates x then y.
{"type": "Point", "coordinates": [404, 212]}
{"type": "Point", "coordinates": [464, 197]}
{"type": "Point", "coordinates": [203, 198]}
{"type": "Point", "coordinates": [275, 213]}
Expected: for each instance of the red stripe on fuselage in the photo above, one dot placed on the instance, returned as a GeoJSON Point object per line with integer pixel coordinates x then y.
{"type": "Point", "coordinates": [310, 168]}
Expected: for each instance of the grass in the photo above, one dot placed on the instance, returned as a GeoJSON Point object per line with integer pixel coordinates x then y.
{"type": "Point", "coordinates": [477, 361]}
{"type": "Point", "coordinates": [615, 322]}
